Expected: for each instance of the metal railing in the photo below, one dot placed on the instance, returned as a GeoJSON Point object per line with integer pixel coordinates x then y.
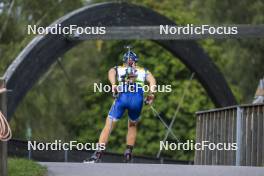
{"type": "Point", "coordinates": [243, 125]}
{"type": "Point", "coordinates": [19, 148]}
{"type": "Point", "coordinates": [3, 145]}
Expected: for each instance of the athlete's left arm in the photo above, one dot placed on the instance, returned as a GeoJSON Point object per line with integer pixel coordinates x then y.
{"type": "Point", "coordinates": [152, 83]}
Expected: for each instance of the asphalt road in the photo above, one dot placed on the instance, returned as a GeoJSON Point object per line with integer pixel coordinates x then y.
{"type": "Point", "coordinates": [119, 169]}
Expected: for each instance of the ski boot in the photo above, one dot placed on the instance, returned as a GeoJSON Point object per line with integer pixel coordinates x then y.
{"type": "Point", "coordinates": [128, 155]}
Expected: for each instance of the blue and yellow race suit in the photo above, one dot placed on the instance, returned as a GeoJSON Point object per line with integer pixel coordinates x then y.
{"type": "Point", "coordinates": [131, 95]}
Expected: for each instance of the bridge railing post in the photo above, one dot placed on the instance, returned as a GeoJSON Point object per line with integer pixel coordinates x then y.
{"type": "Point", "coordinates": [239, 135]}
{"type": "Point", "coordinates": [3, 145]}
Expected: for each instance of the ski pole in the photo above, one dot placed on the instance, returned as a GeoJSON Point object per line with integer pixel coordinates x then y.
{"type": "Point", "coordinates": [163, 122]}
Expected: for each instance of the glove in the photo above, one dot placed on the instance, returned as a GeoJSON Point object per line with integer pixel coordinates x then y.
{"type": "Point", "coordinates": [115, 90]}
{"type": "Point", "coordinates": [149, 99]}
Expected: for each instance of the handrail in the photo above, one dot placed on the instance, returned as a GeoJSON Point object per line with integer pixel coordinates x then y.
{"type": "Point", "coordinates": [228, 107]}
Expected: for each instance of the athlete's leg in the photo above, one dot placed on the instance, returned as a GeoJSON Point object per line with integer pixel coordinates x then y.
{"type": "Point", "coordinates": [104, 136]}
{"type": "Point", "coordinates": [103, 139]}
{"type": "Point", "coordinates": [131, 133]}
{"type": "Point", "coordinates": [115, 113]}
{"type": "Point", "coordinates": [131, 139]}
{"type": "Point", "coordinates": [134, 111]}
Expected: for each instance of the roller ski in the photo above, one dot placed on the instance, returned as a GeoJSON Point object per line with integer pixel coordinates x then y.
{"type": "Point", "coordinates": [95, 158]}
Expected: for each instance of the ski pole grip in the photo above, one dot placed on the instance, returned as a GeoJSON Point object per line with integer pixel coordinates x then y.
{"type": "Point", "coordinates": [115, 94]}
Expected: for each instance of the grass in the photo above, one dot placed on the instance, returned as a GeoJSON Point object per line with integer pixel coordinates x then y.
{"type": "Point", "coordinates": [24, 167]}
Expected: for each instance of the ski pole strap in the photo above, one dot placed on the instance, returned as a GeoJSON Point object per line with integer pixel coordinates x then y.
{"type": "Point", "coordinates": [116, 69]}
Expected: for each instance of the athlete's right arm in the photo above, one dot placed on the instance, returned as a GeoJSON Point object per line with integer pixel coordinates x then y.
{"type": "Point", "coordinates": [112, 79]}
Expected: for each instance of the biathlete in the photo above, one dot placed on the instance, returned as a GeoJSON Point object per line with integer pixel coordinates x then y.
{"type": "Point", "coordinates": [127, 86]}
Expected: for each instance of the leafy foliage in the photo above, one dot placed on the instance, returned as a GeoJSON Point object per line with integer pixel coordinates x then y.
{"type": "Point", "coordinates": [24, 167]}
